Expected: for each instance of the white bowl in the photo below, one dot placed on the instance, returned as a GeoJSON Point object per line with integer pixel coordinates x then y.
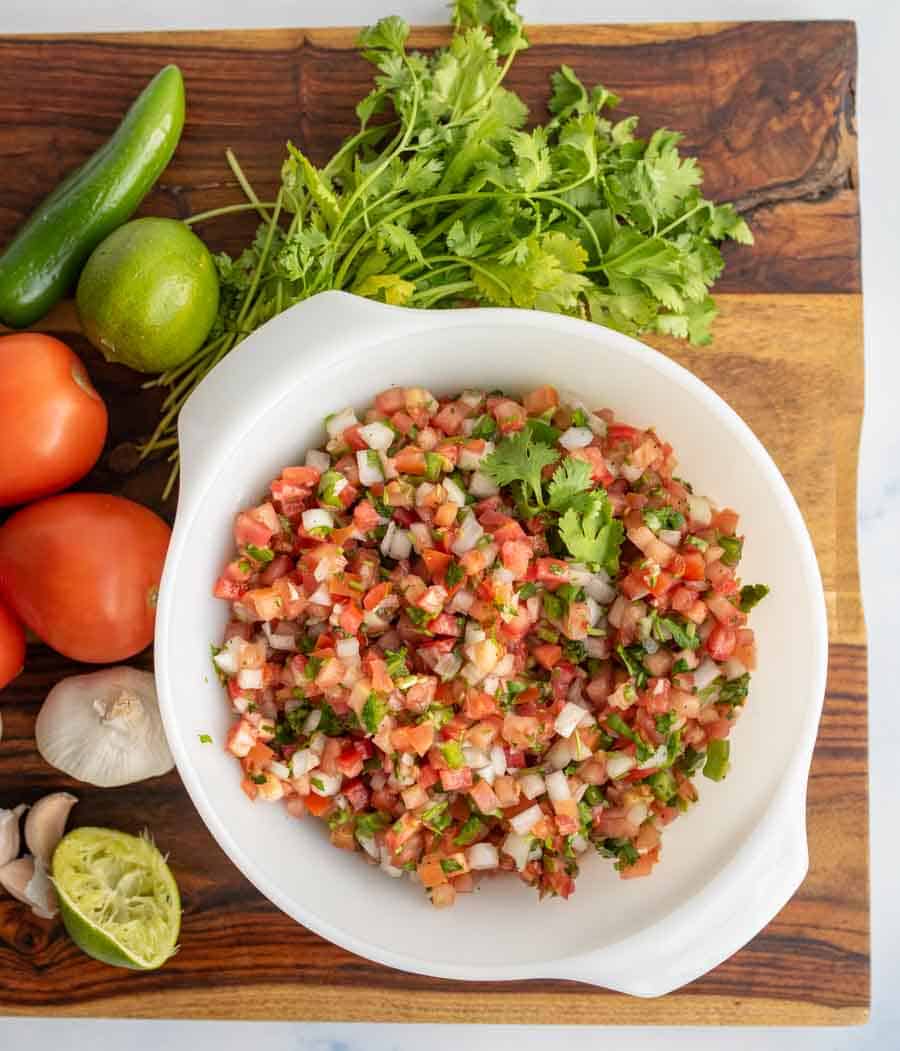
{"type": "Point", "coordinates": [727, 867]}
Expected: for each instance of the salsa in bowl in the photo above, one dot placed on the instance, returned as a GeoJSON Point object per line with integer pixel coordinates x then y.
{"type": "Point", "coordinates": [716, 884]}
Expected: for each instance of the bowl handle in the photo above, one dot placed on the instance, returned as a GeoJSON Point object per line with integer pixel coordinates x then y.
{"type": "Point", "coordinates": [265, 363]}
{"type": "Point", "coordinates": [737, 903]}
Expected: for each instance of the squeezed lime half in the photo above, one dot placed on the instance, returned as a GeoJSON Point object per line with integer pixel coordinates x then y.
{"type": "Point", "coordinates": [117, 897]}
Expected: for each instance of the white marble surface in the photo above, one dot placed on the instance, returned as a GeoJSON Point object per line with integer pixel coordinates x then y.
{"type": "Point", "coordinates": [879, 522]}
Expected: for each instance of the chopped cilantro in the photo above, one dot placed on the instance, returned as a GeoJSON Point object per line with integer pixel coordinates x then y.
{"type": "Point", "coordinates": [317, 782]}
{"type": "Point", "coordinates": [698, 542]}
{"type": "Point", "coordinates": [527, 590]}
{"type": "Point", "coordinates": [485, 427]}
{"type": "Point", "coordinates": [258, 779]}
{"type": "Point", "coordinates": [663, 785]}
{"type": "Point", "coordinates": [396, 663]}
{"type": "Point", "coordinates": [684, 635]}
{"type": "Point", "coordinates": [574, 651]}
{"type": "Point", "coordinates": [437, 816]}
{"type": "Point", "coordinates": [370, 823]}
{"type": "Point", "coordinates": [663, 722]}
{"type": "Point", "coordinates": [450, 865]}
{"type": "Point", "coordinates": [631, 657]}
{"type": "Point", "coordinates": [419, 617]}
{"type": "Point", "coordinates": [691, 761]}
{"type": "Point", "coordinates": [734, 691]}
{"type": "Point", "coordinates": [434, 464]}
{"type": "Point", "coordinates": [455, 574]}
{"type": "Point", "coordinates": [327, 491]}
{"type": "Point", "coordinates": [733, 547]}
{"type": "Point", "coordinates": [469, 832]}
{"type": "Point", "coordinates": [260, 554]}
{"type": "Point", "coordinates": [752, 595]}
{"type": "Point", "coordinates": [205, 739]}
{"type": "Point", "coordinates": [658, 518]}
{"type": "Point", "coordinates": [374, 710]}
{"type": "Point", "coordinates": [453, 755]}
{"type": "Point", "coordinates": [593, 796]}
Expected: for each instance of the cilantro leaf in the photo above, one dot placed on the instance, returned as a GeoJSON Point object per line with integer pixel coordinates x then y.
{"type": "Point", "coordinates": [570, 478]}
{"type": "Point", "coordinates": [663, 518]}
{"type": "Point", "coordinates": [591, 533]}
{"type": "Point", "coordinates": [519, 459]}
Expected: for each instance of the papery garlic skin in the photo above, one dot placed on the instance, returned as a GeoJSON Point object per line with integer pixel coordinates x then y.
{"type": "Point", "coordinates": [104, 728]}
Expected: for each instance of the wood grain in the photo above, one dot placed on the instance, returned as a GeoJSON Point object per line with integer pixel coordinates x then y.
{"type": "Point", "coordinates": [769, 110]}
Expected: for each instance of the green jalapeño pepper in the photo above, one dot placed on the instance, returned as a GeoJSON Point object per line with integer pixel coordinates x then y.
{"type": "Point", "coordinates": [44, 258]}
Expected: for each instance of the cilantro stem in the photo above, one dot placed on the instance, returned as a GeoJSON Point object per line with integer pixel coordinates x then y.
{"type": "Point", "coordinates": [431, 295]}
{"type": "Point", "coordinates": [228, 209]}
{"type": "Point", "coordinates": [263, 256]}
{"type": "Point", "coordinates": [244, 184]}
{"type": "Point", "coordinates": [643, 244]}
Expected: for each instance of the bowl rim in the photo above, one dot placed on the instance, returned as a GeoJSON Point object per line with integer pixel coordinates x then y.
{"type": "Point", "coordinates": [786, 808]}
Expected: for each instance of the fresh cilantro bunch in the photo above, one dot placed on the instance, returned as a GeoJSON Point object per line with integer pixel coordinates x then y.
{"type": "Point", "coordinates": [444, 198]}
{"type": "Point", "coordinates": [580, 513]}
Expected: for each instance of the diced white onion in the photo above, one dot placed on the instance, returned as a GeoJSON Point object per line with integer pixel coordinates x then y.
{"type": "Point", "coordinates": [596, 647]}
{"type": "Point", "coordinates": [454, 492]}
{"type": "Point", "coordinates": [377, 435]}
{"type": "Point", "coordinates": [387, 467]}
{"type": "Point", "coordinates": [576, 438]}
{"type": "Point", "coordinates": [317, 518]}
{"type": "Point", "coordinates": [518, 848]}
{"type": "Point", "coordinates": [317, 742]}
{"type": "Point", "coordinates": [471, 673]}
{"type": "Point", "coordinates": [579, 843]}
{"type": "Point", "coordinates": [482, 856]}
{"type": "Point", "coordinates": [498, 760]}
{"type": "Point", "coordinates": [388, 538]}
{"type": "Point", "coordinates": [594, 611]}
{"type": "Point", "coordinates": [472, 399]}
{"type": "Point", "coordinates": [657, 759]}
{"type": "Point", "coordinates": [597, 424]}
{"type": "Point", "coordinates": [568, 719]}
{"type": "Point", "coordinates": [491, 684]}
{"type": "Point", "coordinates": [469, 460]}
{"type": "Point", "coordinates": [672, 537]}
{"type": "Point", "coordinates": [474, 757]}
{"type": "Point", "coordinates": [448, 666]}
{"type": "Point", "coordinates": [228, 660]}
{"type": "Point", "coordinates": [369, 473]}
{"type": "Point", "coordinates": [482, 486]}
{"type": "Point", "coordinates": [312, 721]}
{"type": "Point", "coordinates": [486, 773]}
{"type": "Point", "coordinates": [532, 785]}
{"type": "Point", "coordinates": [560, 755]}
{"type": "Point", "coordinates": [470, 532]}
{"type": "Point", "coordinates": [637, 814]}
{"type": "Point", "coordinates": [423, 493]}
{"type": "Point", "coordinates": [734, 669]}
{"type": "Point", "coordinates": [706, 673]}
{"type": "Point", "coordinates": [401, 545]}
{"type": "Point", "coordinates": [579, 574]}
{"type": "Point", "coordinates": [280, 641]}
{"type": "Point", "coordinates": [600, 589]}
{"type": "Point", "coordinates": [303, 761]}
{"type": "Point", "coordinates": [369, 846]}
{"type": "Point", "coordinates": [505, 665]}
{"type": "Point", "coordinates": [250, 678]}
{"type": "Point", "coordinates": [281, 771]}
{"type": "Point", "coordinates": [421, 536]}
{"type": "Point", "coordinates": [347, 649]}
{"type": "Point", "coordinates": [339, 422]}
{"type": "Point", "coordinates": [525, 821]}
{"type": "Point", "coordinates": [321, 596]}
{"type": "Point", "coordinates": [699, 511]}
{"type": "Point", "coordinates": [631, 473]}
{"type": "Point", "coordinates": [319, 459]}
{"type": "Point", "coordinates": [474, 632]}
{"type": "Point", "coordinates": [461, 602]}
{"type": "Point", "coordinates": [558, 786]}
{"type": "Point", "coordinates": [618, 764]}
{"type": "Point", "coordinates": [330, 783]}
{"type": "Point", "coordinates": [386, 865]}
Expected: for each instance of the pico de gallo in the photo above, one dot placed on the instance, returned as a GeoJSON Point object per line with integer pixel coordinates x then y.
{"type": "Point", "coordinates": [477, 635]}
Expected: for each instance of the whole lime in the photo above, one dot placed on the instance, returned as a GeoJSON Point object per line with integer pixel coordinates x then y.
{"type": "Point", "coordinates": [149, 295]}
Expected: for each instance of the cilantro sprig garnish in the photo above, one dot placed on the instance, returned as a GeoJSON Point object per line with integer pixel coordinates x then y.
{"type": "Point", "coordinates": [450, 199]}
{"type": "Point", "coordinates": [586, 525]}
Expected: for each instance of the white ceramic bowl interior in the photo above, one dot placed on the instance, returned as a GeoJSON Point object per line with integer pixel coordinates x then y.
{"type": "Point", "coordinates": [727, 867]}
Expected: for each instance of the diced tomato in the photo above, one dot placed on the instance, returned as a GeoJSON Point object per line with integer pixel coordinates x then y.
{"type": "Point", "coordinates": [620, 432]}
{"type": "Point", "coordinates": [547, 655]}
{"type": "Point", "coordinates": [725, 611]}
{"type": "Point", "coordinates": [479, 705]}
{"type": "Point", "coordinates": [456, 780]}
{"type": "Point", "coordinates": [376, 595]}
{"type": "Point", "coordinates": [592, 456]}
{"type": "Point", "coordinates": [725, 521]}
{"type": "Point", "coordinates": [351, 618]}
{"type": "Point", "coordinates": [248, 530]}
{"type": "Point", "coordinates": [365, 517]}
{"type": "Point", "coordinates": [350, 763]}
{"type": "Point", "coordinates": [436, 562]}
{"type": "Point", "coordinates": [539, 401]}
{"type": "Point", "coordinates": [516, 554]}
{"type": "Point", "coordinates": [430, 871]}
{"type": "Point", "coordinates": [228, 589]}
{"type": "Point", "coordinates": [390, 401]}
{"type": "Point", "coordinates": [445, 624]}
{"type": "Point", "coordinates": [410, 460]}
{"type": "Point", "coordinates": [510, 416]}
{"type": "Point", "coordinates": [484, 797]}
{"type": "Point", "coordinates": [552, 571]}
{"type": "Point", "coordinates": [722, 578]}
{"type": "Point", "coordinates": [576, 621]}
{"type": "Point", "coordinates": [642, 867]}
{"type": "Point", "coordinates": [450, 418]}
{"type": "Point", "coordinates": [259, 756]}
{"type": "Point", "coordinates": [721, 642]}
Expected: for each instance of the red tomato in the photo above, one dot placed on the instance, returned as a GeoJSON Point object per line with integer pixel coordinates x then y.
{"type": "Point", "coordinates": [82, 571]}
{"type": "Point", "coordinates": [52, 421]}
{"type": "Point", "coordinates": [721, 642]}
{"type": "Point", "coordinates": [12, 646]}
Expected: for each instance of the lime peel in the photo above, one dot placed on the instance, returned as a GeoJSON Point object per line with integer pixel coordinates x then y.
{"type": "Point", "coordinates": [118, 899]}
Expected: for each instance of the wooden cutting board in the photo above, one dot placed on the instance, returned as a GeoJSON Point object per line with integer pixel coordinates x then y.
{"type": "Point", "coordinates": [768, 108]}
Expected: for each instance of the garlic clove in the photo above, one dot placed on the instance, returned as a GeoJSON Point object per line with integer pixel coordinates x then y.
{"type": "Point", "coordinates": [27, 881]}
{"type": "Point", "coordinates": [46, 823]}
{"type": "Point", "coordinates": [10, 841]}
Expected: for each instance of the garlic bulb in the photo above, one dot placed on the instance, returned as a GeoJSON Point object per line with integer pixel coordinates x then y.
{"type": "Point", "coordinates": [104, 728]}
{"type": "Point", "coordinates": [9, 833]}
{"type": "Point", "coordinates": [26, 880]}
{"type": "Point", "coordinates": [46, 823]}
